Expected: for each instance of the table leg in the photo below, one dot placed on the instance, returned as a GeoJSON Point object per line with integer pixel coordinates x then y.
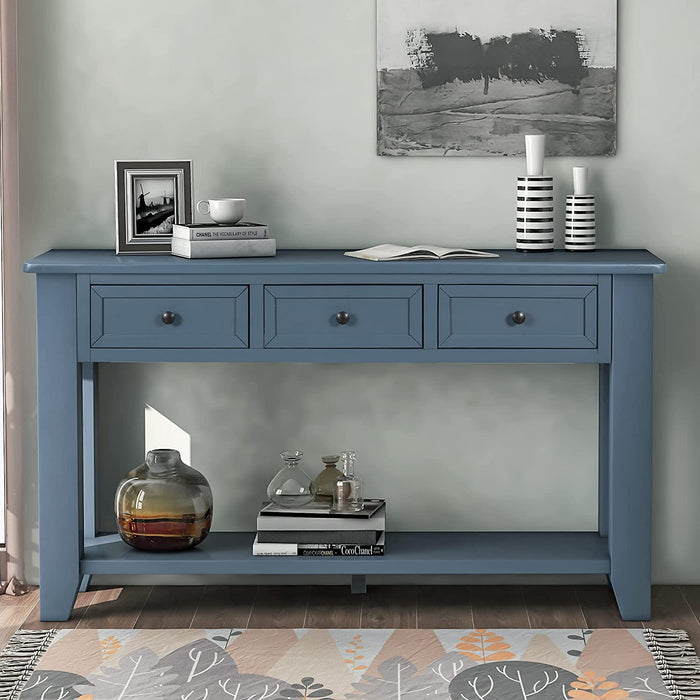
{"type": "Point", "coordinates": [603, 449]}
{"type": "Point", "coordinates": [358, 584]}
{"type": "Point", "coordinates": [629, 445]}
{"type": "Point", "coordinates": [60, 517]}
{"type": "Point", "coordinates": [89, 435]}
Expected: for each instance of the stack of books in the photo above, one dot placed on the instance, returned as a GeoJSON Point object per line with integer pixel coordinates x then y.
{"type": "Point", "coordinates": [314, 530]}
{"type": "Point", "coordinates": [242, 240]}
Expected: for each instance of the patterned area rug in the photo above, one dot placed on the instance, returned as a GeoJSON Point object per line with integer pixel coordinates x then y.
{"type": "Point", "coordinates": [255, 664]}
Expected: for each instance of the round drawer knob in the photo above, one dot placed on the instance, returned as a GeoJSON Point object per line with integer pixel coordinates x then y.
{"type": "Point", "coordinates": [168, 318]}
{"type": "Point", "coordinates": [342, 317]}
{"type": "Point", "coordinates": [519, 317]}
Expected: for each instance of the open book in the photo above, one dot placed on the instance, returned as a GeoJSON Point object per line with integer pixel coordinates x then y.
{"type": "Point", "coordinates": [387, 251]}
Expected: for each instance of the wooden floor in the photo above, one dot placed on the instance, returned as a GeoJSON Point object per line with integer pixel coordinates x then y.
{"type": "Point", "coordinates": [466, 607]}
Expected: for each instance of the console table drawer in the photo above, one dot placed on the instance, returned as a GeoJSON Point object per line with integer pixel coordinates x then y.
{"type": "Point", "coordinates": [168, 316]}
{"type": "Point", "coordinates": [518, 316]}
{"type": "Point", "coordinates": [344, 316]}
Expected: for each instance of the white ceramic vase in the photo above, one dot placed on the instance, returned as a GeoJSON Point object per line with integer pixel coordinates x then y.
{"type": "Point", "coordinates": [534, 154]}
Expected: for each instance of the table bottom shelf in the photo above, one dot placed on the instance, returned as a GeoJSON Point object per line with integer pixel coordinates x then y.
{"type": "Point", "coordinates": [406, 553]}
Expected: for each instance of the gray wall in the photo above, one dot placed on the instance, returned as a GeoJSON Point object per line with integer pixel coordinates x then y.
{"type": "Point", "coordinates": [274, 100]}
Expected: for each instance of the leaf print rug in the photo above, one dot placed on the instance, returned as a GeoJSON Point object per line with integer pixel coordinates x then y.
{"type": "Point", "coordinates": [376, 664]}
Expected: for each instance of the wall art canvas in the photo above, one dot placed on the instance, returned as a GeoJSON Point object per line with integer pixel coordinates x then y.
{"type": "Point", "coordinates": [471, 77]}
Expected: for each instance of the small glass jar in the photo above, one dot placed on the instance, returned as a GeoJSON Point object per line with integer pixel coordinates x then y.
{"type": "Point", "coordinates": [348, 491]}
{"type": "Point", "coordinates": [291, 487]}
{"type": "Point", "coordinates": [163, 505]}
{"type": "Point", "coordinates": [324, 483]}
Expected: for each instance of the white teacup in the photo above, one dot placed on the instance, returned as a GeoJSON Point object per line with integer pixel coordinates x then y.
{"type": "Point", "coordinates": [223, 211]}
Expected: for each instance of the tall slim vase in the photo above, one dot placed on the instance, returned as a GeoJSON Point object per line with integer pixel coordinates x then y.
{"type": "Point", "coordinates": [580, 231]}
{"type": "Point", "coordinates": [535, 201]}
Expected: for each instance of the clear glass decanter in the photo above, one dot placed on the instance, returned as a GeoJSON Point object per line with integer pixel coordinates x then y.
{"type": "Point", "coordinates": [324, 483]}
{"type": "Point", "coordinates": [347, 494]}
{"type": "Point", "coordinates": [291, 487]}
{"type": "Point", "coordinates": [163, 505]}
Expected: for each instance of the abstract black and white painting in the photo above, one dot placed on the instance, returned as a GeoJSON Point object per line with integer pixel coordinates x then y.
{"type": "Point", "coordinates": [471, 77]}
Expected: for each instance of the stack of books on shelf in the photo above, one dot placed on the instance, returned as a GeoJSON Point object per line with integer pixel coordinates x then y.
{"type": "Point", "coordinates": [242, 240]}
{"type": "Point", "coordinates": [314, 530]}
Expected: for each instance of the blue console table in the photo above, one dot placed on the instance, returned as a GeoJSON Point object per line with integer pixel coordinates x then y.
{"type": "Point", "coordinates": [319, 306]}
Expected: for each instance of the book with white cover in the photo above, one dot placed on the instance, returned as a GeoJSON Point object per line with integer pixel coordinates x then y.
{"type": "Point", "coordinates": [388, 251]}
{"type": "Point", "coordinates": [282, 549]}
{"type": "Point", "coordinates": [219, 232]}
{"type": "Point", "coordinates": [261, 248]}
{"type": "Point", "coordinates": [282, 522]}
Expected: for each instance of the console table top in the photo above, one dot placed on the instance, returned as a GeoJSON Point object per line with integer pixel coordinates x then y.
{"type": "Point", "coordinates": [103, 261]}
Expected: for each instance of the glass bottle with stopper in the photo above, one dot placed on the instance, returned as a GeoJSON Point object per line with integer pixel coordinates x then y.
{"type": "Point", "coordinates": [347, 494]}
{"type": "Point", "coordinates": [291, 487]}
{"type": "Point", "coordinates": [325, 482]}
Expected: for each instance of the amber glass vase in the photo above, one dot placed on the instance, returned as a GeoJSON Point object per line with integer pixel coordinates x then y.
{"type": "Point", "coordinates": [163, 505]}
{"type": "Point", "coordinates": [324, 483]}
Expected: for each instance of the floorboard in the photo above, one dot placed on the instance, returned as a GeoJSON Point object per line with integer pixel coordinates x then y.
{"type": "Point", "coordinates": [499, 607]}
{"type": "Point", "coordinates": [28, 600]}
{"type": "Point", "coordinates": [691, 594]}
{"type": "Point", "coordinates": [692, 597]}
{"type": "Point", "coordinates": [11, 619]}
{"type": "Point", "coordinates": [390, 607]}
{"type": "Point", "coordinates": [170, 607]}
{"type": "Point", "coordinates": [333, 607]}
{"type": "Point", "coordinates": [444, 607]}
{"type": "Point", "coordinates": [671, 609]}
{"type": "Point", "coordinates": [553, 607]}
{"type": "Point", "coordinates": [82, 603]}
{"type": "Point", "coordinates": [457, 607]}
{"type": "Point", "coordinates": [224, 606]}
{"type": "Point", "coordinates": [600, 609]}
{"type": "Point", "coordinates": [115, 608]}
{"type": "Point", "coordinates": [280, 607]}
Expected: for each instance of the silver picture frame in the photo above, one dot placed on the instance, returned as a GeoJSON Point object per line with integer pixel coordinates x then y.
{"type": "Point", "coordinates": [151, 196]}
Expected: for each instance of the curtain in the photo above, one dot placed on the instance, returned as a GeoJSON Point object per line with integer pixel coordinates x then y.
{"type": "Point", "coordinates": [13, 581]}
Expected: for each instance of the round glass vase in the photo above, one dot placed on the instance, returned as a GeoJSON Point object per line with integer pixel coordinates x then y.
{"type": "Point", "coordinates": [291, 487]}
{"type": "Point", "coordinates": [163, 505]}
{"type": "Point", "coordinates": [324, 483]}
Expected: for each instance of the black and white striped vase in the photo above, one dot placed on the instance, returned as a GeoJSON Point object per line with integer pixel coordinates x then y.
{"type": "Point", "coordinates": [535, 214]}
{"type": "Point", "coordinates": [579, 233]}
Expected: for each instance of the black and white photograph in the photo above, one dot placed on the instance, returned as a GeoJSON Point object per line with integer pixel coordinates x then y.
{"type": "Point", "coordinates": [471, 78]}
{"type": "Point", "coordinates": [151, 197]}
{"type": "Point", "coordinates": [155, 205]}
